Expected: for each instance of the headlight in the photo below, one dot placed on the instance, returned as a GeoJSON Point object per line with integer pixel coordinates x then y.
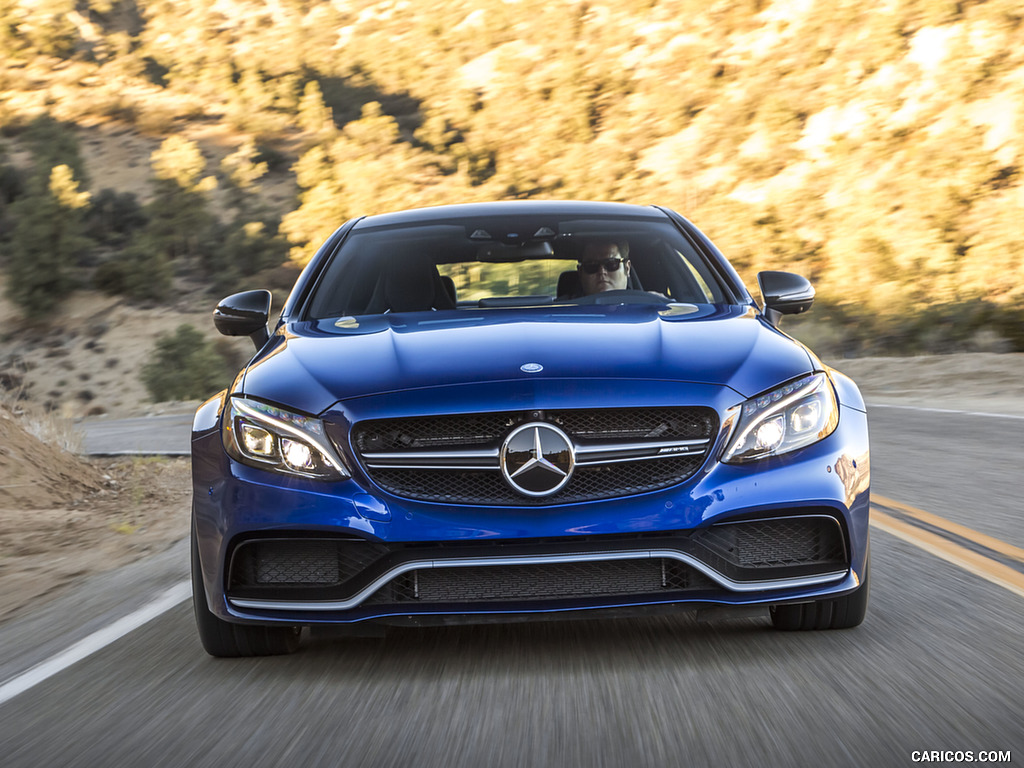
{"type": "Point", "coordinates": [793, 416]}
{"type": "Point", "coordinates": [264, 436]}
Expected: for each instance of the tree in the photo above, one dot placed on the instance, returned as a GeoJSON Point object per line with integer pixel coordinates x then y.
{"type": "Point", "coordinates": [184, 366]}
{"type": "Point", "coordinates": [246, 247]}
{"type": "Point", "coordinates": [46, 27]}
{"type": "Point", "coordinates": [315, 118]}
{"type": "Point", "coordinates": [141, 271]}
{"type": "Point", "coordinates": [114, 216]}
{"type": "Point", "coordinates": [243, 169]}
{"type": "Point", "coordinates": [180, 160]}
{"type": "Point", "coordinates": [47, 239]}
{"type": "Point", "coordinates": [180, 221]}
{"type": "Point", "coordinates": [54, 143]}
{"type": "Point", "coordinates": [368, 168]}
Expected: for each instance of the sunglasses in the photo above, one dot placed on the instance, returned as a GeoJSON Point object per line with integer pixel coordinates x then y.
{"type": "Point", "coordinates": [610, 265]}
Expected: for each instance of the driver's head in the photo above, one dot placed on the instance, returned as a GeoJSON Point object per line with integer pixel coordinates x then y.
{"type": "Point", "coordinates": [604, 266]}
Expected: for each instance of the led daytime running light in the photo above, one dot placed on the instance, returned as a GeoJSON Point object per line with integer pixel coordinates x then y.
{"type": "Point", "coordinates": [781, 398]}
{"type": "Point", "coordinates": [786, 419]}
{"type": "Point", "coordinates": [301, 429]}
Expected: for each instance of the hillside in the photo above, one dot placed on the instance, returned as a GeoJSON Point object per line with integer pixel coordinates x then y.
{"type": "Point", "coordinates": [876, 149]}
{"type": "Point", "coordinates": [63, 518]}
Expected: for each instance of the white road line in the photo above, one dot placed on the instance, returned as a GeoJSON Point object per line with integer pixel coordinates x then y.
{"type": "Point", "coordinates": [947, 410]}
{"type": "Point", "coordinates": [95, 642]}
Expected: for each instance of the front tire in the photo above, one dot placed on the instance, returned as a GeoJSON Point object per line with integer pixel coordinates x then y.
{"type": "Point", "coordinates": [223, 639]}
{"type": "Point", "coordinates": [836, 613]}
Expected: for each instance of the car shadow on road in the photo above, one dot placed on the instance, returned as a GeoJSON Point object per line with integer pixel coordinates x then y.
{"type": "Point", "coordinates": [554, 648]}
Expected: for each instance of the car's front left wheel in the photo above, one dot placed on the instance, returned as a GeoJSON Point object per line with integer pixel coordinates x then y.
{"type": "Point", "coordinates": [221, 638]}
{"type": "Point", "coordinates": [837, 613]}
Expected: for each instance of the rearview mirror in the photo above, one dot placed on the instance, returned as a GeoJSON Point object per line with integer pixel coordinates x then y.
{"type": "Point", "coordinates": [507, 253]}
{"type": "Point", "coordinates": [784, 293]}
{"type": "Point", "coordinates": [244, 314]}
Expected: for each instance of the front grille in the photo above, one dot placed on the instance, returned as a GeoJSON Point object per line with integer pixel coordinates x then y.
{"type": "Point", "coordinates": [587, 484]}
{"type": "Point", "coordinates": [514, 583]}
{"type": "Point", "coordinates": [680, 438]}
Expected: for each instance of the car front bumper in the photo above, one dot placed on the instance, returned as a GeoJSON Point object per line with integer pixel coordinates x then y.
{"type": "Point", "coordinates": [424, 562]}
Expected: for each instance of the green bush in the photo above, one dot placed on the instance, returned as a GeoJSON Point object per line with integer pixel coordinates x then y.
{"type": "Point", "coordinates": [55, 143]}
{"type": "Point", "coordinates": [46, 241]}
{"type": "Point", "coordinates": [114, 216]}
{"type": "Point", "coordinates": [140, 272]}
{"type": "Point", "coordinates": [245, 249]}
{"type": "Point", "coordinates": [12, 184]}
{"type": "Point", "coordinates": [185, 366]}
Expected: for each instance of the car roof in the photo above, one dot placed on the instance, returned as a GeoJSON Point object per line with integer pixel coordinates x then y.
{"type": "Point", "coordinates": [510, 208]}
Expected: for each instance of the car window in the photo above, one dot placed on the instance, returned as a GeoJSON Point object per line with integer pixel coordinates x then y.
{"type": "Point", "coordinates": [709, 294]}
{"type": "Point", "coordinates": [475, 281]}
{"type": "Point", "coordinates": [501, 261]}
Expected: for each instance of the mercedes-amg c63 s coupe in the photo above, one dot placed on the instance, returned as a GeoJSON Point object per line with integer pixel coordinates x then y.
{"type": "Point", "coordinates": [517, 410]}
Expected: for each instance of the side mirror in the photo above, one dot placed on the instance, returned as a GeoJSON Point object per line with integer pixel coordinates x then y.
{"type": "Point", "coordinates": [245, 314]}
{"type": "Point", "coordinates": [784, 293]}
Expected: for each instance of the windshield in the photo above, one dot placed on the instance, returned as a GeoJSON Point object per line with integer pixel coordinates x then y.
{"type": "Point", "coordinates": [504, 261]}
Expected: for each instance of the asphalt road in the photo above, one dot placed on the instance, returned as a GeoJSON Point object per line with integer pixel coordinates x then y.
{"type": "Point", "coordinates": [937, 666]}
{"type": "Point", "coordinates": [167, 434]}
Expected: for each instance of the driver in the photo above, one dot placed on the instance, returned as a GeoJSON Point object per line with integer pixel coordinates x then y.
{"type": "Point", "coordinates": [604, 266]}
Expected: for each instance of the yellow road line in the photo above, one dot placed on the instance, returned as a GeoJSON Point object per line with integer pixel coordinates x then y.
{"type": "Point", "coordinates": [970, 561]}
{"type": "Point", "coordinates": [989, 542]}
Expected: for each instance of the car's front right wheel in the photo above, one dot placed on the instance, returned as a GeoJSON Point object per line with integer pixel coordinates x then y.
{"type": "Point", "coordinates": [221, 638]}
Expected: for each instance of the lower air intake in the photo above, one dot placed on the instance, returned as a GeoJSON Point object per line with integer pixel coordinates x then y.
{"type": "Point", "coordinates": [542, 582]}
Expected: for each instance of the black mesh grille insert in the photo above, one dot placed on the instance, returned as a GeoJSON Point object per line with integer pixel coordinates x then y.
{"type": "Point", "coordinates": [489, 487]}
{"type": "Point", "coordinates": [301, 562]}
{"type": "Point", "coordinates": [776, 543]}
{"type": "Point", "coordinates": [586, 427]}
{"type": "Point", "coordinates": [298, 567]}
{"type": "Point", "coordinates": [434, 432]}
{"type": "Point", "coordinates": [511, 583]}
{"type": "Point", "coordinates": [486, 429]}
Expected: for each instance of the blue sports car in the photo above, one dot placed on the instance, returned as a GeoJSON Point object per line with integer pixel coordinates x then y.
{"type": "Point", "coordinates": [519, 410]}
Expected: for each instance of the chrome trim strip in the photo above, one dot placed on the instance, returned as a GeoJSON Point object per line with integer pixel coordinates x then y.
{"type": "Point", "coordinates": [642, 446]}
{"type": "Point", "coordinates": [355, 600]}
{"type": "Point", "coordinates": [782, 518]}
{"type": "Point", "coordinates": [622, 459]}
{"type": "Point", "coordinates": [460, 459]}
{"type": "Point", "coordinates": [483, 467]}
{"type": "Point", "coordinates": [487, 453]}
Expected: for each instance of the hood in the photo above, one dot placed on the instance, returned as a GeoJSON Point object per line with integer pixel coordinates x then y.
{"type": "Point", "coordinates": [309, 366]}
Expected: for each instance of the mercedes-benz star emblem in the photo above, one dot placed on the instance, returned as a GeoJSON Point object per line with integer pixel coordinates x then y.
{"type": "Point", "coordinates": [537, 459]}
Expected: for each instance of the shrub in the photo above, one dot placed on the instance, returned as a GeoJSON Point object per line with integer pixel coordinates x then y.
{"type": "Point", "coordinates": [139, 273]}
{"type": "Point", "coordinates": [46, 241]}
{"type": "Point", "coordinates": [246, 248]}
{"type": "Point", "coordinates": [12, 184]}
{"type": "Point", "coordinates": [114, 216]}
{"type": "Point", "coordinates": [275, 159]}
{"type": "Point", "coordinates": [54, 143]}
{"type": "Point", "coordinates": [184, 366]}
